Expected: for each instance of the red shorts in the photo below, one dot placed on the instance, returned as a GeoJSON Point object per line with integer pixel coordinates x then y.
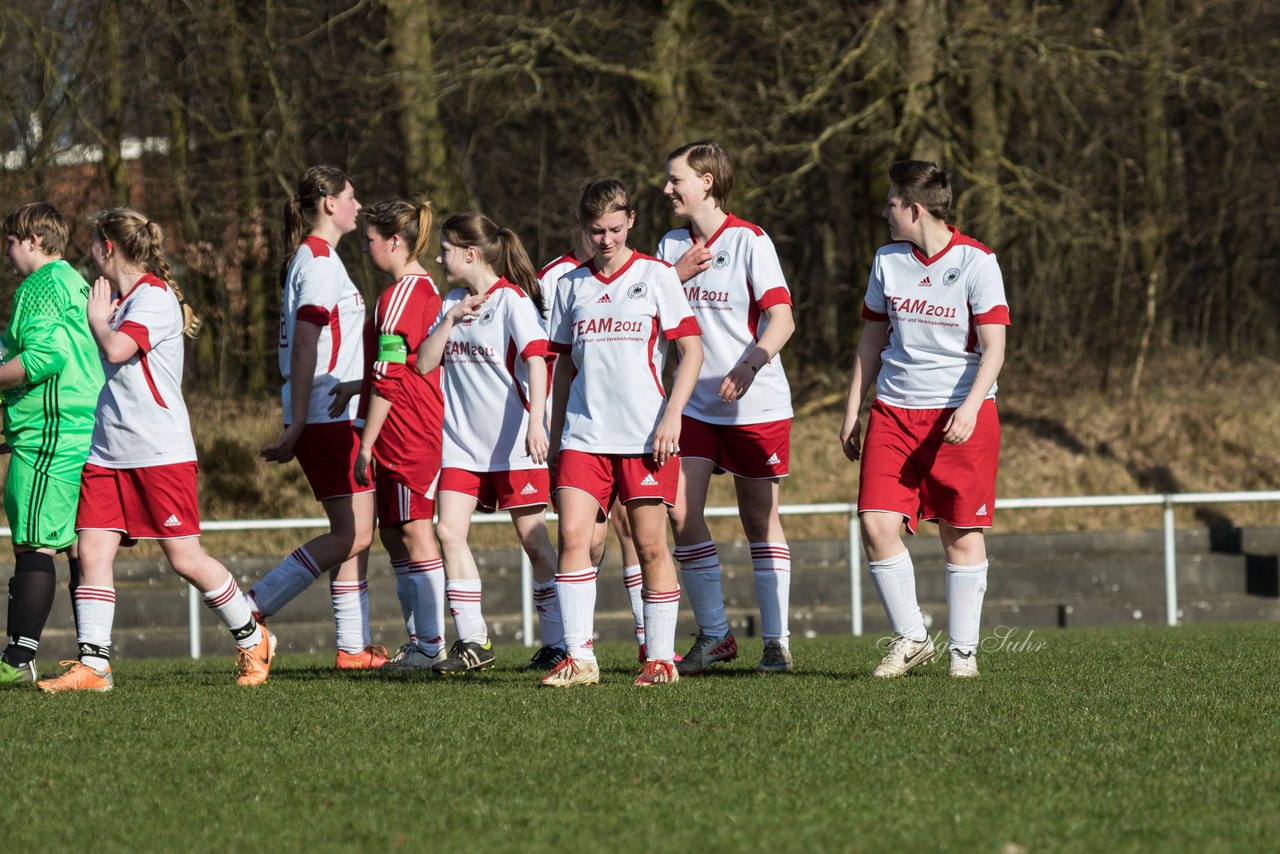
{"type": "Point", "coordinates": [624, 477]}
{"type": "Point", "coordinates": [499, 490]}
{"type": "Point", "coordinates": [399, 503]}
{"type": "Point", "coordinates": [152, 503]}
{"type": "Point", "coordinates": [752, 451]}
{"type": "Point", "coordinates": [327, 454]}
{"type": "Point", "coordinates": [908, 469]}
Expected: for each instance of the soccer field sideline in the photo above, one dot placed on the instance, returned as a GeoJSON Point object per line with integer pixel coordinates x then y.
{"type": "Point", "coordinates": [1074, 739]}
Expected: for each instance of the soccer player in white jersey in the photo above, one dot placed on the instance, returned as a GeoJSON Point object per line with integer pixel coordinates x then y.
{"type": "Point", "coordinates": [615, 432]}
{"type": "Point", "coordinates": [934, 343]}
{"type": "Point", "coordinates": [321, 350]}
{"type": "Point", "coordinates": [544, 590]}
{"type": "Point", "coordinates": [739, 417]}
{"type": "Point", "coordinates": [403, 409]}
{"type": "Point", "coordinates": [490, 341]}
{"type": "Point", "coordinates": [140, 480]}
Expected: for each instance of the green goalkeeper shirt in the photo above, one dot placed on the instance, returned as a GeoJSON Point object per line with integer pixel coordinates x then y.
{"type": "Point", "coordinates": [48, 420]}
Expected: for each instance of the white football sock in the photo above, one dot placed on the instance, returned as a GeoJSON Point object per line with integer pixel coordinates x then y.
{"type": "Point", "coordinates": [634, 580]}
{"type": "Point", "coordinates": [95, 612]}
{"type": "Point", "coordinates": [577, 592]}
{"type": "Point", "coordinates": [290, 577]}
{"type": "Point", "coordinates": [464, 604]}
{"type": "Point", "coordinates": [227, 602]}
{"type": "Point", "coordinates": [660, 613]}
{"type": "Point", "coordinates": [965, 587]}
{"type": "Point", "coordinates": [351, 613]}
{"type": "Point", "coordinates": [772, 565]}
{"type": "Point", "coordinates": [428, 608]}
{"type": "Point", "coordinates": [700, 577]}
{"type": "Point", "coordinates": [550, 623]}
{"type": "Point", "coordinates": [404, 595]}
{"type": "Point", "coordinates": [895, 580]}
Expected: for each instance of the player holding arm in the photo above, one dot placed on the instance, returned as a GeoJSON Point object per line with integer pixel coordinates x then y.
{"type": "Point", "coordinates": [403, 410]}
{"type": "Point", "coordinates": [321, 326]}
{"type": "Point", "coordinates": [739, 418]}
{"type": "Point", "coordinates": [933, 343]}
{"type": "Point", "coordinates": [616, 432]}
{"type": "Point", "coordinates": [140, 479]}
{"type": "Point", "coordinates": [50, 377]}
{"type": "Point", "coordinates": [491, 344]}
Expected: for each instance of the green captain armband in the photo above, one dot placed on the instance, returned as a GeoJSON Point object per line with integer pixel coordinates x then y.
{"type": "Point", "coordinates": [392, 348]}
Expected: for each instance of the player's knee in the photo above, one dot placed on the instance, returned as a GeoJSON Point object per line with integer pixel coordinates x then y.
{"type": "Point", "coordinates": [451, 533]}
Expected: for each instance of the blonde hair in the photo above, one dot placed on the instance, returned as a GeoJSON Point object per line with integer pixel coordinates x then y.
{"type": "Point", "coordinates": [139, 240]}
{"type": "Point", "coordinates": [398, 218]}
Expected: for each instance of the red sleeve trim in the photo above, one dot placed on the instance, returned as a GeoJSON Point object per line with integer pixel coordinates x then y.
{"type": "Point", "coordinates": [557, 347]}
{"type": "Point", "coordinates": [688, 326]}
{"type": "Point", "coordinates": [138, 333]}
{"type": "Point", "coordinates": [314, 314]}
{"type": "Point", "coordinates": [541, 347]}
{"type": "Point", "coordinates": [318, 245]}
{"type": "Point", "coordinates": [774, 296]}
{"type": "Point", "coordinates": [998, 316]}
{"type": "Point", "coordinates": [868, 314]}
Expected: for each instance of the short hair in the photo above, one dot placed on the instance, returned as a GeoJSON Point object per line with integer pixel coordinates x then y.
{"type": "Point", "coordinates": [706, 156]}
{"type": "Point", "coordinates": [602, 197]}
{"type": "Point", "coordinates": [39, 219]}
{"type": "Point", "coordinates": [922, 182]}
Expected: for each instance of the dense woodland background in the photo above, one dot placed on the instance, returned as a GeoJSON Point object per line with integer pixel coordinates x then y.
{"type": "Point", "coordinates": [1119, 155]}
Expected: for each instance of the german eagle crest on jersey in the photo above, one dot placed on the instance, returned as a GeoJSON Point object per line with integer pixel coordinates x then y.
{"type": "Point", "coordinates": [637, 291]}
{"type": "Point", "coordinates": [721, 260]}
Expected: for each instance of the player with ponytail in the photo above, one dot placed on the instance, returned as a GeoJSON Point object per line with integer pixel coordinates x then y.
{"type": "Point", "coordinates": [140, 480]}
{"type": "Point", "coordinates": [403, 410]}
{"type": "Point", "coordinates": [490, 341]}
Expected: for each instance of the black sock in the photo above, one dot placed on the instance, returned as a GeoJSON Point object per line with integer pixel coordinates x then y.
{"type": "Point", "coordinates": [30, 600]}
{"type": "Point", "coordinates": [73, 564]}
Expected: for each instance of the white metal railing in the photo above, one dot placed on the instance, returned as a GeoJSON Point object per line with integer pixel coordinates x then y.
{"type": "Point", "coordinates": [1167, 501]}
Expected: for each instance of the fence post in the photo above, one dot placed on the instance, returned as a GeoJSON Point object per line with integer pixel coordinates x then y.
{"type": "Point", "coordinates": [1170, 564]}
{"type": "Point", "coordinates": [855, 574]}
{"type": "Point", "coordinates": [526, 598]}
{"type": "Point", "coordinates": [193, 622]}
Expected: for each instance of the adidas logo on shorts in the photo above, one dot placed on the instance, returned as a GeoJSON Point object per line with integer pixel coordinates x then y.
{"type": "Point", "coordinates": [604, 298]}
{"type": "Point", "coordinates": [982, 511]}
{"type": "Point", "coordinates": [649, 480]}
{"type": "Point", "coordinates": [172, 522]}
{"type": "Point", "coordinates": [528, 489]}
{"type": "Point", "coordinates": [773, 460]}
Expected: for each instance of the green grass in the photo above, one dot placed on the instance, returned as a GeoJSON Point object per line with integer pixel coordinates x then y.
{"type": "Point", "coordinates": [1098, 739]}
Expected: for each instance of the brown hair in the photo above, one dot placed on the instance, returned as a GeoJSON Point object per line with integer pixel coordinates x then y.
{"type": "Point", "coordinates": [924, 183]}
{"type": "Point", "coordinates": [141, 241]}
{"type": "Point", "coordinates": [397, 218]}
{"type": "Point", "coordinates": [303, 207]}
{"type": "Point", "coordinates": [39, 219]}
{"type": "Point", "coordinates": [500, 248]}
{"type": "Point", "coordinates": [706, 156]}
{"type": "Point", "coordinates": [602, 197]}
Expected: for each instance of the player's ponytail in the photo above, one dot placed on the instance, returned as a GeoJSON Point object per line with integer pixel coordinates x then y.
{"type": "Point", "coordinates": [500, 248]}
{"type": "Point", "coordinates": [397, 218]}
{"type": "Point", "coordinates": [140, 241]}
{"type": "Point", "coordinates": [302, 210]}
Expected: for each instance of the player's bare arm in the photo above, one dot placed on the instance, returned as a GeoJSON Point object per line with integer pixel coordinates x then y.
{"type": "Point", "coordinates": [866, 365]}
{"type": "Point", "coordinates": [431, 351]}
{"type": "Point", "coordinates": [535, 440]}
{"type": "Point", "coordinates": [777, 333]}
{"type": "Point", "coordinates": [302, 370]}
{"type": "Point", "coordinates": [666, 440]}
{"type": "Point", "coordinates": [117, 347]}
{"type": "Point", "coordinates": [960, 426]}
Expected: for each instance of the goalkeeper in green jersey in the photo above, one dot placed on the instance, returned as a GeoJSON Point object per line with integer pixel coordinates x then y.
{"type": "Point", "coordinates": [50, 377]}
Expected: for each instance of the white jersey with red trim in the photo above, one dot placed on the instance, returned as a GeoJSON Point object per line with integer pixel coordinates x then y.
{"type": "Point", "coordinates": [729, 299]}
{"type": "Point", "coordinates": [318, 290]}
{"type": "Point", "coordinates": [617, 329]}
{"type": "Point", "coordinates": [141, 419]}
{"type": "Point", "coordinates": [549, 279]}
{"type": "Point", "coordinates": [485, 378]}
{"type": "Point", "coordinates": [934, 307]}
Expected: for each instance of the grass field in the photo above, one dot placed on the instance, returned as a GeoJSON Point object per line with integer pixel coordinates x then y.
{"type": "Point", "coordinates": [1085, 740]}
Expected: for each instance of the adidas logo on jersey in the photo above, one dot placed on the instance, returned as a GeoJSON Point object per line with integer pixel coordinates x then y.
{"type": "Point", "coordinates": [982, 511]}
{"type": "Point", "coordinates": [649, 480]}
{"type": "Point", "coordinates": [172, 522]}
{"type": "Point", "coordinates": [773, 460]}
{"type": "Point", "coordinates": [925, 283]}
{"type": "Point", "coordinates": [529, 489]}
{"type": "Point", "coordinates": [604, 298]}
